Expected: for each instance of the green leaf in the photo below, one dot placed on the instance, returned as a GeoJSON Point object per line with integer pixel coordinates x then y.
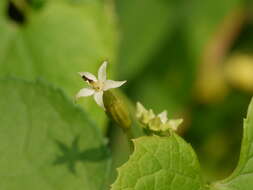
{"type": "Point", "coordinates": [242, 177]}
{"type": "Point", "coordinates": [56, 42]}
{"type": "Point", "coordinates": [46, 142]}
{"type": "Point", "coordinates": [160, 163]}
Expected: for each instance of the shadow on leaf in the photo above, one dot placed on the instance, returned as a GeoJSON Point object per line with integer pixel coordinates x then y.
{"type": "Point", "coordinates": [72, 154]}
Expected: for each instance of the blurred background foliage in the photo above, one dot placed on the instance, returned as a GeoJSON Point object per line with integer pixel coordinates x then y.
{"type": "Point", "coordinates": [192, 58]}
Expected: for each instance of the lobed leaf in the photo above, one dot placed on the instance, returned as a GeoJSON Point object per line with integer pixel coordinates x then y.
{"type": "Point", "coordinates": [46, 142]}
{"type": "Point", "coordinates": [160, 163]}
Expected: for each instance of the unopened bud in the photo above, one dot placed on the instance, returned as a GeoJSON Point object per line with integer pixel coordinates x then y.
{"type": "Point", "coordinates": [117, 110]}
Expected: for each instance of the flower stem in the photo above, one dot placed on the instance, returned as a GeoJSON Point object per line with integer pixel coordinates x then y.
{"type": "Point", "coordinates": [119, 113]}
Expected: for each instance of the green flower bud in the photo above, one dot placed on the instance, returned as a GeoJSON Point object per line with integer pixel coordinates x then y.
{"type": "Point", "coordinates": [157, 124]}
{"type": "Point", "coordinates": [117, 110]}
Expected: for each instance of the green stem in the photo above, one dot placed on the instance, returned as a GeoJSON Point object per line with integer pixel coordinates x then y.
{"type": "Point", "coordinates": [117, 110]}
{"type": "Point", "coordinates": [130, 136]}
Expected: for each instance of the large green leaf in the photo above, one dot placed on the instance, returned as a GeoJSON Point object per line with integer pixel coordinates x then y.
{"type": "Point", "coordinates": [160, 163]}
{"type": "Point", "coordinates": [56, 42]}
{"type": "Point", "coordinates": [242, 177]}
{"type": "Point", "coordinates": [46, 143]}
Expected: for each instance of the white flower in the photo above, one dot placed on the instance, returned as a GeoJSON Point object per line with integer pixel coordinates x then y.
{"type": "Point", "coordinates": [156, 123]}
{"type": "Point", "coordinates": [144, 115]}
{"type": "Point", "coordinates": [98, 85]}
{"type": "Point", "coordinates": [166, 124]}
{"type": "Point", "coordinates": [163, 116]}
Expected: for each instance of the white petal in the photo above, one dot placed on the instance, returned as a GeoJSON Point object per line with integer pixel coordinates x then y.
{"type": "Point", "coordinates": [174, 123]}
{"type": "Point", "coordinates": [148, 116]}
{"type": "Point", "coordinates": [140, 110]}
{"type": "Point", "coordinates": [163, 116]}
{"type": "Point", "coordinates": [112, 84]}
{"type": "Point", "coordinates": [98, 97]}
{"type": "Point", "coordinates": [102, 72]}
{"type": "Point", "coordinates": [155, 124]}
{"type": "Point", "coordinates": [88, 76]}
{"type": "Point", "coordinates": [85, 92]}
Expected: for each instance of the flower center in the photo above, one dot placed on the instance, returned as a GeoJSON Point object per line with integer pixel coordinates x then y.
{"type": "Point", "coordinates": [98, 86]}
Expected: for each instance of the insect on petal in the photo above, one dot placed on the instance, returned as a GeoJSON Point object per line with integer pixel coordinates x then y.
{"type": "Point", "coordinates": [88, 76]}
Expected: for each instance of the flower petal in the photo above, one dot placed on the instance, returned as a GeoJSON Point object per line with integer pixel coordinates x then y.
{"type": "Point", "coordinates": [98, 97]}
{"type": "Point", "coordinates": [85, 92]}
{"type": "Point", "coordinates": [102, 72]}
{"type": "Point", "coordinates": [163, 116]}
{"type": "Point", "coordinates": [174, 123]}
{"type": "Point", "coordinates": [140, 110]}
{"type": "Point", "coordinates": [155, 124]}
{"type": "Point", "coordinates": [88, 76]}
{"type": "Point", "coordinates": [112, 84]}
